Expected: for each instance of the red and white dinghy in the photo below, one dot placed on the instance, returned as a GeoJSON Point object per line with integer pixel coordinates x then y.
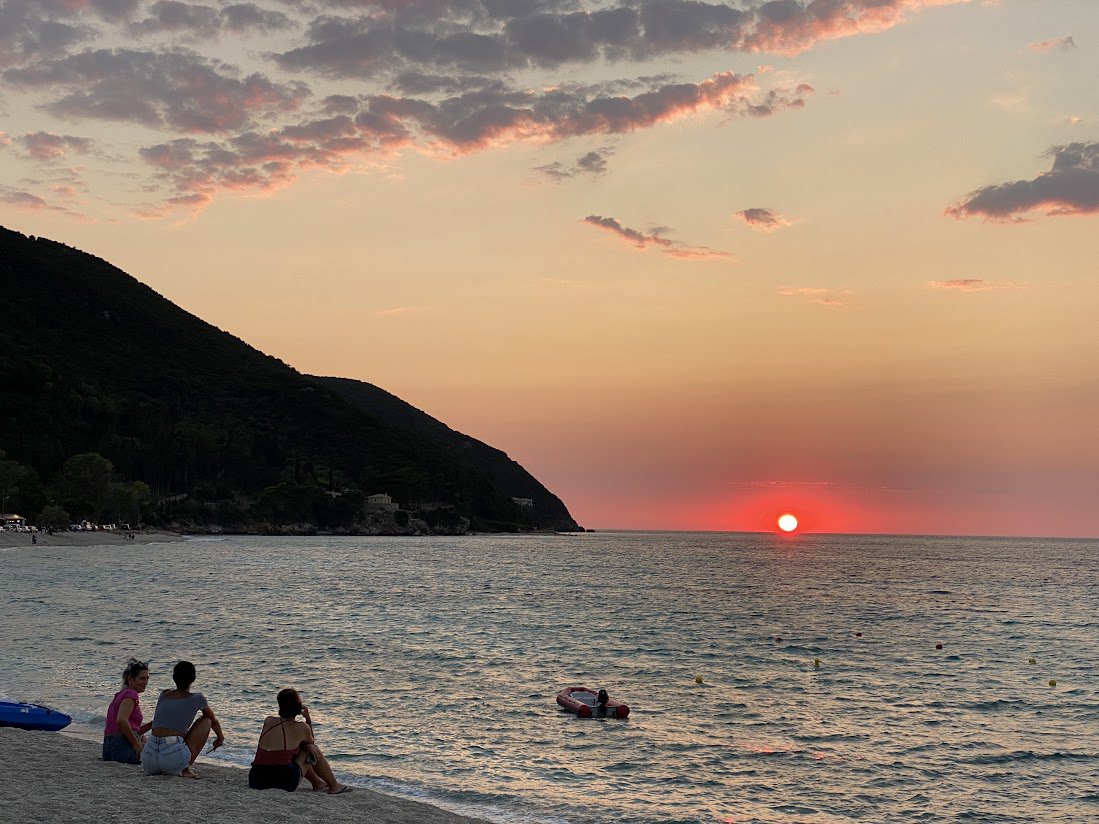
{"type": "Point", "coordinates": [585, 703]}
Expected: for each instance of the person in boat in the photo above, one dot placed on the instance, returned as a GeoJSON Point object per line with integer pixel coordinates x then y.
{"type": "Point", "coordinates": [123, 731]}
{"type": "Point", "coordinates": [177, 737]}
{"type": "Point", "coordinates": [601, 700]}
{"type": "Point", "coordinates": [286, 751]}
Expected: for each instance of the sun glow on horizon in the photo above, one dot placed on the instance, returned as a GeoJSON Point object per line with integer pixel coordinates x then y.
{"type": "Point", "coordinates": [787, 522]}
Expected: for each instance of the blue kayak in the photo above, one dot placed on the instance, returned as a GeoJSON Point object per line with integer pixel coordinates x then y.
{"type": "Point", "coordinates": [32, 717]}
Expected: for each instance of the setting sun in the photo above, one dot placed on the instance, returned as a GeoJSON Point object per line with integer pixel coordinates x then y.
{"type": "Point", "coordinates": [787, 522]}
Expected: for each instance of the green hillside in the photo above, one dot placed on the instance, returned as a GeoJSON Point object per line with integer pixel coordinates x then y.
{"type": "Point", "coordinates": [93, 361]}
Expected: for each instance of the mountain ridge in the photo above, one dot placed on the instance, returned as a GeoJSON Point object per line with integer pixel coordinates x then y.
{"type": "Point", "coordinates": [93, 360]}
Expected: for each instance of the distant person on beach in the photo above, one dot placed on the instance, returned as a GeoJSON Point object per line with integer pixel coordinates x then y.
{"type": "Point", "coordinates": [175, 742]}
{"type": "Point", "coordinates": [286, 751]}
{"type": "Point", "coordinates": [121, 741]}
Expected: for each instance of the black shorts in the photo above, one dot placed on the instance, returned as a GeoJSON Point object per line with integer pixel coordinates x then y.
{"type": "Point", "coordinates": [275, 777]}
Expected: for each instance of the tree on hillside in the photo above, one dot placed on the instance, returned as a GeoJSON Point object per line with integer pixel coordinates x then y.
{"type": "Point", "coordinates": [12, 474]}
{"type": "Point", "coordinates": [124, 500]}
{"type": "Point", "coordinates": [86, 482]}
{"type": "Point", "coordinates": [53, 517]}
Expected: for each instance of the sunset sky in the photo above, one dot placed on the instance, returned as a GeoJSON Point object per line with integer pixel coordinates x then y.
{"type": "Point", "coordinates": [691, 264]}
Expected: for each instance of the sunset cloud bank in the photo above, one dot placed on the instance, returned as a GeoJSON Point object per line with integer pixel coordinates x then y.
{"type": "Point", "coordinates": [331, 83]}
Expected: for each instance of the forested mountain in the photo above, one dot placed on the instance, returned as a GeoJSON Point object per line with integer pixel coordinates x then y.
{"type": "Point", "coordinates": [224, 436]}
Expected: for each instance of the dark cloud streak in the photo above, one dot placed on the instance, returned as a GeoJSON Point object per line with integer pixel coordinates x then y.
{"type": "Point", "coordinates": [1071, 187]}
{"type": "Point", "coordinates": [654, 237]}
{"type": "Point", "coordinates": [178, 89]}
{"type": "Point", "coordinates": [49, 146]}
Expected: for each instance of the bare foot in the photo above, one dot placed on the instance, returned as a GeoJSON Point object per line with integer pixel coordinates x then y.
{"type": "Point", "coordinates": [189, 773]}
{"type": "Point", "coordinates": [339, 789]}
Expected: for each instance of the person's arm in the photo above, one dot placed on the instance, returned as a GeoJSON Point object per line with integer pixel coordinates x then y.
{"type": "Point", "coordinates": [215, 725]}
{"type": "Point", "coordinates": [123, 719]}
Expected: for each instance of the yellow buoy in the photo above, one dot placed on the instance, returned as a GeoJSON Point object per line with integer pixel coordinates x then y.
{"type": "Point", "coordinates": [1030, 661]}
{"type": "Point", "coordinates": [698, 679]}
{"type": "Point", "coordinates": [816, 663]}
{"type": "Point", "coordinates": [1053, 682]}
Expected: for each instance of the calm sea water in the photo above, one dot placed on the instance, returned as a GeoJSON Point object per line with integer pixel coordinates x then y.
{"type": "Point", "coordinates": [431, 666]}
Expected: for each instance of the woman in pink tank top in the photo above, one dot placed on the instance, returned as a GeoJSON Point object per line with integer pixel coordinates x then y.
{"type": "Point", "coordinates": [123, 729]}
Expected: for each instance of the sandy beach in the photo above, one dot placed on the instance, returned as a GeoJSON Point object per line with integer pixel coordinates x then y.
{"type": "Point", "coordinates": [88, 539]}
{"type": "Point", "coordinates": [49, 777]}
{"type": "Point", "coordinates": [54, 778]}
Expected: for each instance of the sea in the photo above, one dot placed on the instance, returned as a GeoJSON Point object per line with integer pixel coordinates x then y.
{"type": "Point", "coordinates": [798, 678]}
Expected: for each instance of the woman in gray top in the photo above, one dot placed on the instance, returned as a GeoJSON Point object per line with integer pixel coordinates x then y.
{"type": "Point", "coordinates": [174, 742]}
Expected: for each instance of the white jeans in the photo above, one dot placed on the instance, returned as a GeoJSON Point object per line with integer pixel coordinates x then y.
{"type": "Point", "coordinates": [168, 755]}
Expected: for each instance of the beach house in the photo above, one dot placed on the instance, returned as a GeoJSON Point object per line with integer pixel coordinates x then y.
{"type": "Point", "coordinates": [381, 502]}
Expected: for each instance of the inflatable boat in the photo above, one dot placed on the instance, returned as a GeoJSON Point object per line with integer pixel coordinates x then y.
{"type": "Point", "coordinates": [585, 703]}
{"type": "Point", "coordinates": [32, 717]}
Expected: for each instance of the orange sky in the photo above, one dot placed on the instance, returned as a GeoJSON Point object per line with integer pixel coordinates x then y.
{"type": "Point", "coordinates": [691, 270]}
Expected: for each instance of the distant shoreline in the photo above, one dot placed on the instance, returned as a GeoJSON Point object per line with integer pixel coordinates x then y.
{"type": "Point", "coordinates": [10, 540]}
{"type": "Point", "coordinates": [89, 539]}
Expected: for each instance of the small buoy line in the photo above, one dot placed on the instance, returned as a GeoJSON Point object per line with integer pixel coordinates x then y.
{"type": "Point", "coordinates": [585, 702]}
{"type": "Point", "coordinates": [938, 646]}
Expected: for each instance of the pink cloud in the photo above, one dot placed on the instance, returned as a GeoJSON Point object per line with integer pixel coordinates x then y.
{"type": "Point", "coordinates": [972, 285]}
{"type": "Point", "coordinates": [763, 220]}
{"type": "Point", "coordinates": [50, 146]}
{"type": "Point", "coordinates": [821, 297]}
{"type": "Point", "coordinates": [786, 27]}
{"type": "Point", "coordinates": [1071, 187]}
{"type": "Point", "coordinates": [460, 125]}
{"type": "Point", "coordinates": [496, 39]}
{"type": "Point", "coordinates": [614, 115]}
{"type": "Point", "coordinates": [696, 253]}
{"type": "Point", "coordinates": [655, 238]}
{"type": "Point", "coordinates": [460, 57]}
{"type": "Point", "coordinates": [638, 239]}
{"type": "Point", "coordinates": [172, 88]}
{"type": "Point", "coordinates": [776, 484]}
{"type": "Point", "coordinates": [28, 200]}
{"type": "Point", "coordinates": [23, 200]}
{"type": "Point", "coordinates": [1061, 44]}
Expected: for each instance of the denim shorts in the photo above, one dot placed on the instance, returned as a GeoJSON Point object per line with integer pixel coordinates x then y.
{"type": "Point", "coordinates": [117, 748]}
{"type": "Point", "coordinates": [168, 755]}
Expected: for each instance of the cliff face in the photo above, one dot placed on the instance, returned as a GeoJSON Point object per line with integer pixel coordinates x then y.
{"type": "Point", "coordinates": [224, 435]}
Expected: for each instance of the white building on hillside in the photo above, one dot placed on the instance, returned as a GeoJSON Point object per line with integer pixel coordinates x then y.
{"type": "Point", "coordinates": [381, 502]}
